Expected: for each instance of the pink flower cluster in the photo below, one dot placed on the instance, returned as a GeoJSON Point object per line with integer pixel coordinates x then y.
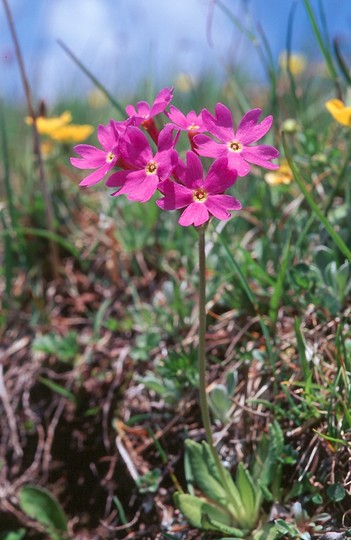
{"type": "Point", "coordinates": [144, 160]}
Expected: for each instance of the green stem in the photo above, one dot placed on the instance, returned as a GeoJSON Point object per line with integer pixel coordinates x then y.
{"type": "Point", "coordinates": [205, 412]}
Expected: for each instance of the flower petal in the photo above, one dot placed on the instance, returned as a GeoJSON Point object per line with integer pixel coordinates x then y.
{"type": "Point", "coordinates": [141, 191]}
{"type": "Point", "coordinates": [117, 179]}
{"type": "Point", "coordinates": [165, 138]}
{"type": "Point", "coordinates": [91, 157]}
{"type": "Point", "coordinates": [107, 136]}
{"type": "Point", "coordinates": [220, 177]}
{"type": "Point", "coordinates": [206, 147]}
{"type": "Point", "coordinates": [219, 205]}
{"type": "Point", "coordinates": [195, 214]}
{"type": "Point", "coordinates": [177, 117]}
{"type": "Point", "coordinates": [339, 111]}
{"type": "Point", "coordinates": [249, 131]}
{"type": "Point", "coordinates": [96, 176]}
{"type": "Point", "coordinates": [221, 125]}
{"type": "Point", "coordinates": [166, 161]}
{"type": "Point", "coordinates": [175, 195]}
{"type": "Point", "coordinates": [236, 162]}
{"type": "Point", "coordinates": [260, 155]}
{"type": "Point", "coordinates": [194, 171]}
{"type": "Point", "coordinates": [135, 147]}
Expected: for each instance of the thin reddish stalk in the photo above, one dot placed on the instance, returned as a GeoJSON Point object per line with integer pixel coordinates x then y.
{"type": "Point", "coordinates": [49, 214]}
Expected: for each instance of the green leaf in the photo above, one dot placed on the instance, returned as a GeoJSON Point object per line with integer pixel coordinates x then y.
{"type": "Point", "coordinates": [41, 505]}
{"type": "Point", "coordinates": [194, 509]}
{"type": "Point", "coordinates": [231, 382]}
{"type": "Point", "coordinates": [284, 528]}
{"type": "Point", "coordinates": [276, 438]}
{"type": "Point", "coordinates": [247, 492]}
{"type": "Point", "coordinates": [204, 471]}
{"type": "Point", "coordinates": [13, 535]}
{"type": "Point", "coordinates": [65, 348]}
{"type": "Point", "coordinates": [208, 522]}
{"type": "Point", "coordinates": [323, 255]}
{"type": "Point", "coordinates": [336, 492]}
{"type": "Point", "coordinates": [269, 451]}
{"type": "Point", "coordinates": [58, 389]}
{"type": "Point", "coordinates": [301, 347]}
{"type": "Point", "coordinates": [305, 276]}
{"type": "Point", "coordinates": [99, 318]}
{"type": "Point", "coordinates": [279, 285]}
{"type": "Point", "coordinates": [220, 402]}
{"type": "Point", "coordinates": [268, 532]}
{"type": "Point", "coordinates": [204, 475]}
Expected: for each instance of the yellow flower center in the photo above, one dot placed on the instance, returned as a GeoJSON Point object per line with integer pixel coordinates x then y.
{"type": "Point", "coordinates": [110, 157]}
{"type": "Point", "coordinates": [193, 127]}
{"type": "Point", "coordinates": [151, 167]}
{"type": "Point", "coordinates": [235, 146]}
{"type": "Point", "coordinates": [200, 195]}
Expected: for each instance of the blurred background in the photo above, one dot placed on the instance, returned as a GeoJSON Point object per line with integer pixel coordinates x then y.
{"type": "Point", "coordinates": [126, 42]}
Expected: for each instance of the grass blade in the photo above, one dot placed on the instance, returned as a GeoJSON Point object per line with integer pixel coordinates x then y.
{"type": "Point", "coordinates": [8, 258]}
{"type": "Point", "coordinates": [278, 289]}
{"type": "Point", "coordinates": [344, 68]}
{"type": "Point", "coordinates": [251, 297]}
{"type": "Point", "coordinates": [6, 162]}
{"type": "Point", "coordinates": [49, 235]}
{"type": "Point", "coordinates": [61, 390]}
{"type": "Point", "coordinates": [301, 349]}
{"type": "Point", "coordinates": [92, 77]}
{"type": "Point", "coordinates": [323, 47]}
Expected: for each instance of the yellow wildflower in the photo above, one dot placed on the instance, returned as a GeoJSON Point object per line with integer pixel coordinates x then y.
{"type": "Point", "coordinates": [283, 175]}
{"type": "Point", "coordinates": [59, 129]}
{"type": "Point", "coordinates": [97, 99]}
{"type": "Point", "coordinates": [72, 133]}
{"type": "Point", "coordinates": [339, 111]}
{"type": "Point", "coordinates": [295, 62]}
{"type": "Point", "coordinates": [184, 83]}
{"type": "Point", "coordinates": [46, 126]}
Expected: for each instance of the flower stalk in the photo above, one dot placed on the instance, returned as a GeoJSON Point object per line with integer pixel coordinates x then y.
{"type": "Point", "coordinates": [205, 411]}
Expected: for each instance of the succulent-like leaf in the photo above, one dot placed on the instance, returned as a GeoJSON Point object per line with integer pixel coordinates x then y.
{"type": "Point", "coordinates": [269, 451]}
{"type": "Point", "coordinates": [204, 471]}
{"type": "Point", "coordinates": [268, 532]}
{"type": "Point", "coordinates": [247, 492]}
{"type": "Point", "coordinates": [209, 522]}
{"type": "Point", "coordinates": [41, 505]}
{"type": "Point", "coordinates": [194, 509]}
{"type": "Point", "coordinates": [13, 535]}
{"type": "Point", "coordinates": [205, 477]}
{"type": "Point", "coordinates": [220, 402]}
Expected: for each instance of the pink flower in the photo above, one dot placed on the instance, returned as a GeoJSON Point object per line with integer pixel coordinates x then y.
{"type": "Point", "coordinates": [235, 145]}
{"type": "Point", "coordinates": [94, 158]}
{"type": "Point", "coordinates": [145, 170]}
{"type": "Point", "coordinates": [144, 113]}
{"type": "Point", "coordinates": [191, 123]}
{"type": "Point", "coordinates": [200, 197]}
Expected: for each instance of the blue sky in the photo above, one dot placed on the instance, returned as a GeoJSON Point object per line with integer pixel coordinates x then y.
{"type": "Point", "coordinates": [123, 41]}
